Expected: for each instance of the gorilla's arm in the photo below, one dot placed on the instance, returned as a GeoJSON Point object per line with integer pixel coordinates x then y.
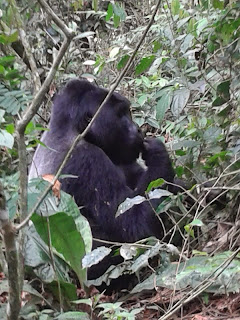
{"type": "Point", "coordinates": [100, 189]}
{"type": "Point", "coordinates": [133, 173]}
{"type": "Point", "coordinates": [48, 157]}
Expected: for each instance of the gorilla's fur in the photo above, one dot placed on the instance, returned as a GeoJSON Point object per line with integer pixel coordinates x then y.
{"type": "Point", "coordinates": [104, 162]}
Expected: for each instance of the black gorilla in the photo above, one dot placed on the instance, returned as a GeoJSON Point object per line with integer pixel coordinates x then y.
{"type": "Point", "coordinates": [104, 162]}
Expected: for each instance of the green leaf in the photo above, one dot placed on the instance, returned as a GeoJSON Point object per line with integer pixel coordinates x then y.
{"type": "Point", "coordinates": [7, 61]}
{"type": "Point", "coordinates": [12, 37]}
{"type": "Point", "coordinates": [153, 123]}
{"type": "Point", "coordinates": [144, 64]}
{"type": "Point", "coordinates": [68, 290]}
{"type": "Point", "coordinates": [212, 134]}
{"type": "Point", "coordinates": [10, 128]}
{"type": "Point", "coordinates": [188, 228]}
{"type": "Point", "coordinates": [95, 5]}
{"type": "Point", "coordinates": [116, 20]}
{"type": "Point", "coordinates": [6, 39]}
{"type": "Point", "coordinates": [109, 12]}
{"type": "Point", "coordinates": [155, 184]}
{"type": "Point", "coordinates": [29, 128]}
{"type": "Point", "coordinates": [201, 25]}
{"type": "Point", "coordinates": [6, 139]}
{"type": "Point", "coordinates": [156, 46]}
{"type": "Point", "coordinates": [218, 4]}
{"type": "Point", "coordinates": [65, 238]}
{"type": "Point", "coordinates": [37, 255]}
{"type": "Point", "coordinates": [2, 112]}
{"type": "Point", "coordinates": [95, 256]}
{"type": "Point", "coordinates": [223, 92]}
{"type": "Point", "coordinates": [186, 144]}
{"type": "Point", "coordinates": [123, 62]}
{"type": "Point", "coordinates": [163, 105]}
{"type": "Point", "coordinates": [187, 42]}
{"type": "Point", "coordinates": [142, 99]}
{"type": "Point", "coordinates": [199, 253]}
{"type": "Point", "coordinates": [175, 6]}
{"type": "Point", "coordinates": [130, 202]}
{"type": "Point", "coordinates": [2, 70]}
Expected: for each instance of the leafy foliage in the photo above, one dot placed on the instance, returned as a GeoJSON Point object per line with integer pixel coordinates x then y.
{"type": "Point", "coordinates": [184, 87]}
{"type": "Point", "coordinates": [13, 101]}
{"type": "Point", "coordinates": [193, 272]}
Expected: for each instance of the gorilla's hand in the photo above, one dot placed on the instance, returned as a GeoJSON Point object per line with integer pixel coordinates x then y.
{"type": "Point", "coordinates": [154, 152]}
{"type": "Point", "coordinates": [158, 163]}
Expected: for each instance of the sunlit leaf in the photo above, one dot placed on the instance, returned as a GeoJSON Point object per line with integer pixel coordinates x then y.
{"type": "Point", "coordinates": [109, 12]}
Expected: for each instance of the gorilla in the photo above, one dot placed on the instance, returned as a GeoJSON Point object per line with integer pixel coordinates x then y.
{"type": "Point", "coordinates": [103, 166]}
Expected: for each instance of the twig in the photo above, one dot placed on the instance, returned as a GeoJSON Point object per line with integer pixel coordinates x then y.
{"type": "Point", "coordinates": [197, 214]}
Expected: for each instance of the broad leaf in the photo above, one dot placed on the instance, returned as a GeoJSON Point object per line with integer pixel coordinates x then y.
{"type": "Point", "coordinates": [179, 101]}
{"type": "Point", "coordinates": [65, 238]}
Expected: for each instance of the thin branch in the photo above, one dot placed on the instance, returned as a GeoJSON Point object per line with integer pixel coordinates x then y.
{"type": "Point", "coordinates": [67, 32]}
{"type": "Point", "coordinates": [14, 281]}
{"type": "Point", "coordinates": [82, 135]}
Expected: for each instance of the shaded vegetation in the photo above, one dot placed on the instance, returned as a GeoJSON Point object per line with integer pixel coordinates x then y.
{"type": "Point", "coordinates": [184, 86]}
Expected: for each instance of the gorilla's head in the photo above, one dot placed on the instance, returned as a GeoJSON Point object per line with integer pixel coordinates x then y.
{"type": "Point", "coordinates": [113, 130]}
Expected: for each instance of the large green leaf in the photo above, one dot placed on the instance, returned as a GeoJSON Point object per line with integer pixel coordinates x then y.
{"type": "Point", "coordinates": [37, 256]}
{"type": "Point", "coordinates": [65, 238]}
{"type": "Point", "coordinates": [51, 205]}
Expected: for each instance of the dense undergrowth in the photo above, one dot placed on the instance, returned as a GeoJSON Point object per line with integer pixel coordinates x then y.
{"type": "Point", "coordinates": [184, 85]}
